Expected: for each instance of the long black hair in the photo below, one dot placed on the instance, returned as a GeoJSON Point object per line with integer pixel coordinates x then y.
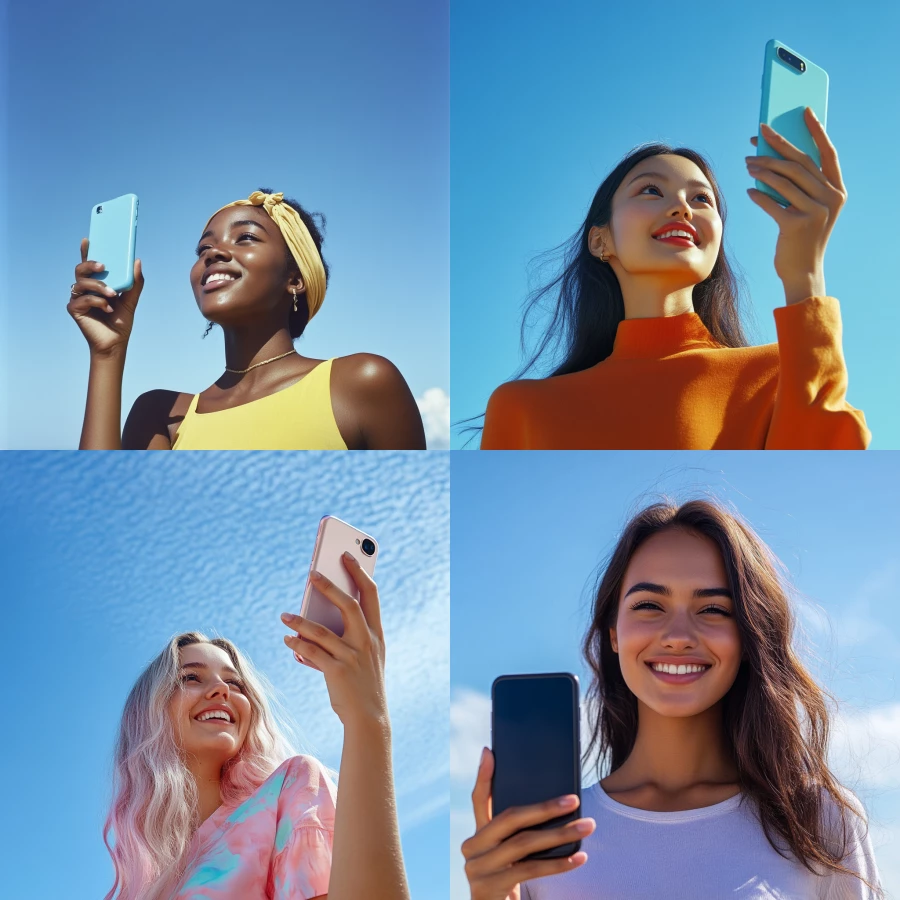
{"type": "Point", "coordinates": [585, 299]}
{"type": "Point", "coordinates": [315, 224]}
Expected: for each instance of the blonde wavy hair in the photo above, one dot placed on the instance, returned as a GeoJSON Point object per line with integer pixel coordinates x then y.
{"type": "Point", "coordinates": [154, 810]}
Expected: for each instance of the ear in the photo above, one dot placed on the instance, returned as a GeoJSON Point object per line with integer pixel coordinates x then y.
{"type": "Point", "coordinates": [597, 238]}
{"type": "Point", "coordinates": [296, 284]}
{"type": "Point", "coordinates": [614, 640]}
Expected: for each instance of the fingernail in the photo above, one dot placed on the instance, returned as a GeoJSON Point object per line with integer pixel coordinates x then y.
{"type": "Point", "coordinates": [286, 617]}
{"type": "Point", "coordinates": [483, 757]}
{"type": "Point", "coordinates": [566, 802]}
{"type": "Point", "coordinates": [315, 576]}
{"type": "Point", "coordinates": [585, 827]}
{"type": "Point", "coordinates": [348, 555]}
{"type": "Point", "coordinates": [98, 265]}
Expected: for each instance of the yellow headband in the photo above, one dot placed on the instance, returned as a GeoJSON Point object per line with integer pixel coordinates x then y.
{"type": "Point", "coordinates": [298, 239]}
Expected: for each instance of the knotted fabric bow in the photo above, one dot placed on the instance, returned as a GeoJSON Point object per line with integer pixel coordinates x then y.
{"type": "Point", "coordinates": [298, 239]}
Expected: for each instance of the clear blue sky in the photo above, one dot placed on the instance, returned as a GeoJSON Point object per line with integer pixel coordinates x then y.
{"type": "Point", "coordinates": [546, 100]}
{"type": "Point", "coordinates": [341, 105]}
{"type": "Point", "coordinates": [106, 556]}
{"type": "Point", "coordinates": [530, 531]}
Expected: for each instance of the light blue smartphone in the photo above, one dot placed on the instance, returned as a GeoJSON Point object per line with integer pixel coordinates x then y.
{"type": "Point", "coordinates": [112, 240]}
{"type": "Point", "coordinates": [790, 83]}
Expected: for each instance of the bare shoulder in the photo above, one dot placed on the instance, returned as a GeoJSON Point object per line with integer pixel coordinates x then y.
{"type": "Point", "coordinates": [150, 423]}
{"type": "Point", "coordinates": [366, 373]}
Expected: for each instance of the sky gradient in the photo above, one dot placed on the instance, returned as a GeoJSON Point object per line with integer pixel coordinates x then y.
{"type": "Point", "coordinates": [530, 531]}
{"type": "Point", "coordinates": [108, 555]}
{"type": "Point", "coordinates": [341, 106]}
{"type": "Point", "coordinates": [546, 100]}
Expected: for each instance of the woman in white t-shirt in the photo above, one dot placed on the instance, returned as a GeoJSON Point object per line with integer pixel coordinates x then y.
{"type": "Point", "coordinates": [718, 784]}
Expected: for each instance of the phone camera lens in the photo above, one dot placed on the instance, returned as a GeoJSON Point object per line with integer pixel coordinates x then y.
{"type": "Point", "coordinates": [368, 547]}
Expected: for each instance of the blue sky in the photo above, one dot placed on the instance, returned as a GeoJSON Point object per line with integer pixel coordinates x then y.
{"type": "Point", "coordinates": [545, 101]}
{"type": "Point", "coordinates": [106, 556]}
{"type": "Point", "coordinates": [530, 531]}
{"type": "Point", "coordinates": [340, 105]}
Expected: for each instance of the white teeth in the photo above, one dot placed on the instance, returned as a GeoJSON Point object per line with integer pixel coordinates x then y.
{"type": "Point", "coordinates": [220, 276]}
{"type": "Point", "coordinates": [677, 670]}
{"type": "Point", "coordinates": [214, 714]}
{"type": "Point", "coordinates": [677, 233]}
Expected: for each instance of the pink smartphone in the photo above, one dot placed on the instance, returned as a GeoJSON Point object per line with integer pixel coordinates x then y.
{"type": "Point", "coordinates": [334, 538]}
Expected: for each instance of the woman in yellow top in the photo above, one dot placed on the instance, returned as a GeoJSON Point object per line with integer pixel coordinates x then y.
{"type": "Point", "coordinates": [261, 276]}
{"type": "Point", "coordinates": [654, 355]}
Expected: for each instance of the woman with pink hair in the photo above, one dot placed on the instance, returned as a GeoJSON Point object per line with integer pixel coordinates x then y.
{"type": "Point", "coordinates": [211, 801]}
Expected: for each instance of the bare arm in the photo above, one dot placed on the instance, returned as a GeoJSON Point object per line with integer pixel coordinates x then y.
{"type": "Point", "coordinates": [103, 408]}
{"type": "Point", "coordinates": [366, 859]}
{"type": "Point", "coordinates": [105, 319]}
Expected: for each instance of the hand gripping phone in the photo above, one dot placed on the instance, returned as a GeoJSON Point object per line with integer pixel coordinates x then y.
{"type": "Point", "coordinates": [112, 240]}
{"type": "Point", "coordinates": [790, 83]}
{"type": "Point", "coordinates": [535, 738]}
{"type": "Point", "coordinates": [334, 538]}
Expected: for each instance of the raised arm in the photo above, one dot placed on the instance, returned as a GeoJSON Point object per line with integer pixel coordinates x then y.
{"type": "Point", "coordinates": [105, 319]}
{"type": "Point", "coordinates": [367, 860]}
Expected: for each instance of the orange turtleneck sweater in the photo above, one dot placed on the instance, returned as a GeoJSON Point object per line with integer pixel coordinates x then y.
{"type": "Point", "coordinates": [668, 385]}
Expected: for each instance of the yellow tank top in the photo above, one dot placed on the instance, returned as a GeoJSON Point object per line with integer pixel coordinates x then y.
{"type": "Point", "coordinates": [299, 417]}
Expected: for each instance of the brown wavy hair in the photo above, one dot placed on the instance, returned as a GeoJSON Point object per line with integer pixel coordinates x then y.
{"type": "Point", "coordinates": [775, 716]}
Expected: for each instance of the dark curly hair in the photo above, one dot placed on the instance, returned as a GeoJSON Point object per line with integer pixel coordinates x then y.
{"type": "Point", "coordinates": [315, 224]}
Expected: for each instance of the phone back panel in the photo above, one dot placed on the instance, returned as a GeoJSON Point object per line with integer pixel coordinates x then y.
{"type": "Point", "coordinates": [535, 737]}
{"type": "Point", "coordinates": [333, 539]}
{"type": "Point", "coordinates": [786, 92]}
{"type": "Point", "coordinates": [112, 240]}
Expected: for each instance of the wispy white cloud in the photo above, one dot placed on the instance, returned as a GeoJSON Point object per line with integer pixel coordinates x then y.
{"type": "Point", "coordinates": [434, 405]}
{"type": "Point", "coordinates": [470, 732]}
{"type": "Point", "coordinates": [865, 747]}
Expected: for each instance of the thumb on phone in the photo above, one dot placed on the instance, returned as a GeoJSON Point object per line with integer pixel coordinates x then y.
{"type": "Point", "coordinates": [481, 794]}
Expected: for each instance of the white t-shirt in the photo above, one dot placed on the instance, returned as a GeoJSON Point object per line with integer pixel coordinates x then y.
{"type": "Point", "coordinates": [716, 852]}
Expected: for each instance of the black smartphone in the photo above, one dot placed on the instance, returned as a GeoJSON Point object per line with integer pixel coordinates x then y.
{"type": "Point", "coordinates": [535, 738]}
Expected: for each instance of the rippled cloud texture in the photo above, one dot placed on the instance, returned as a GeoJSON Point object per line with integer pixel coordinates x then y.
{"type": "Point", "coordinates": [108, 555]}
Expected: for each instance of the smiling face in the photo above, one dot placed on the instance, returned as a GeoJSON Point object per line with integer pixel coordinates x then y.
{"type": "Point", "coordinates": [245, 242]}
{"type": "Point", "coordinates": [643, 202]}
{"type": "Point", "coordinates": [209, 681]}
{"type": "Point", "coordinates": [675, 608]}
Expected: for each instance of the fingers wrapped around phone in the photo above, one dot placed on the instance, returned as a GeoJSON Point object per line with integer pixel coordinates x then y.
{"type": "Point", "coordinates": [368, 593]}
{"type": "Point", "coordinates": [356, 631]}
{"type": "Point", "coordinates": [502, 831]}
{"type": "Point", "coordinates": [495, 853]}
{"type": "Point", "coordinates": [316, 643]}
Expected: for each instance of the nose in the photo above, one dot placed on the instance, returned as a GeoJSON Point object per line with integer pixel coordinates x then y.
{"type": "Point", "coordinates": [218, 687]}
{"type": "Point", "coordinates": [679, 634]}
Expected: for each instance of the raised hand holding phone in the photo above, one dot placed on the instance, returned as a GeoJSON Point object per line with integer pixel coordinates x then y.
{"type": "Point", "coordinates": [104, 317]}
{"type": "Point", "coordinates": [816, 198]}
{"type": "Point", "coordinates": [495, 855]}
{"type": "Point", "coordinates": [353, 664]}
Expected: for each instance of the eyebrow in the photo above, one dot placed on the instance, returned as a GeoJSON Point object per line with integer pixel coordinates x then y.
{"type": "Point", "coordinates": [693, 182]}
{"type": "Point", "coordinates": [209, 231]}
{"type": "Point", "coordinates": [663, 591]}
{"type": "Point", "coordinates": [200, 665]}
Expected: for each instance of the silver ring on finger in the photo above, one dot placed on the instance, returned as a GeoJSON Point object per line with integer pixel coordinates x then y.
{"type": "Point", "coordinates": [74, 292]}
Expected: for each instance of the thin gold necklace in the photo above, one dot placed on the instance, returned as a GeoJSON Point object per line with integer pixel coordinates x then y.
{"type": "Point", "coordinates": [243, 371]}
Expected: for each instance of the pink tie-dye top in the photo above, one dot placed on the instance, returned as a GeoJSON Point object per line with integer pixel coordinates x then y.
{"type": "Point", "coordinates": [276, 845]}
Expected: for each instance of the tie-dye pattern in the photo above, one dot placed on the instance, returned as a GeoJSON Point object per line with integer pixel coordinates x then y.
{"type": "Point", "coordinates": [276, 845]}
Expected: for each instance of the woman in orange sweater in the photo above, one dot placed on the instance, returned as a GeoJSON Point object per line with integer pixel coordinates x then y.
{"type": "Point", "coordinates": [654, 353]}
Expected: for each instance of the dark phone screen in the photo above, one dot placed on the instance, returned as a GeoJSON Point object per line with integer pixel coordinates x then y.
{"type": "Point", "coordinates": [535, 741]}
